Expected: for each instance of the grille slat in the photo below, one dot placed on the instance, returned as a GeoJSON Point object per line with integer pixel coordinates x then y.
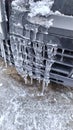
{"type": "Point", "coordinates": [63, 65]}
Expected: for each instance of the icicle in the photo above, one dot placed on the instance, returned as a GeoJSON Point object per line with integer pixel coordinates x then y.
{"type": "Point", "coordinates": [31, 79]}
{"type": "Point", "coordinates": [26, 80]}
{"type": "Point", "coordinates": [43, 88]}
{"type": "Point", "coordinates": [39, 81]}
{"type": "Point", "coordinates": [55, 50]}
{"type": "Point", "coordinates": [4, 55]}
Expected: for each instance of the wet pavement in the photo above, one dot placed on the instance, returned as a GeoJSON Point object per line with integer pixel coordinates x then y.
{"type": "Point", "coordinates": [22, 107]}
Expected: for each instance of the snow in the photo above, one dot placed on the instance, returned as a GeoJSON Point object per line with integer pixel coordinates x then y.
{"type": "Point", "coordinates": [40, 7]}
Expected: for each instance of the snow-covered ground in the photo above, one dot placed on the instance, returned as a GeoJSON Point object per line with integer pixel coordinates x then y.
{"type": "Point", "coordinates": [22, 107]}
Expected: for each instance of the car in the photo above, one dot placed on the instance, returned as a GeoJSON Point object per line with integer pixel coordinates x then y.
{"type": "Point", "coordinates": [39, 46]}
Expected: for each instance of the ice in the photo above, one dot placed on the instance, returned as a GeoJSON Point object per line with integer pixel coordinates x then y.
{"type": "Point", "coordinates": [1, 29]}
{"type": "Point", "coordinates": [3, 53]}
{"type": "Point", "coordinates": [31, 80]}
{"type": "Point", "coordinates": [26, 80]}
{"type": "Point", "coordinates": [24, 65]}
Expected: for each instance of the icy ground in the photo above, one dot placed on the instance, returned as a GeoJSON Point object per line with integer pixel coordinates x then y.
{"type": "Point", "coordinates": [21, 107]}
